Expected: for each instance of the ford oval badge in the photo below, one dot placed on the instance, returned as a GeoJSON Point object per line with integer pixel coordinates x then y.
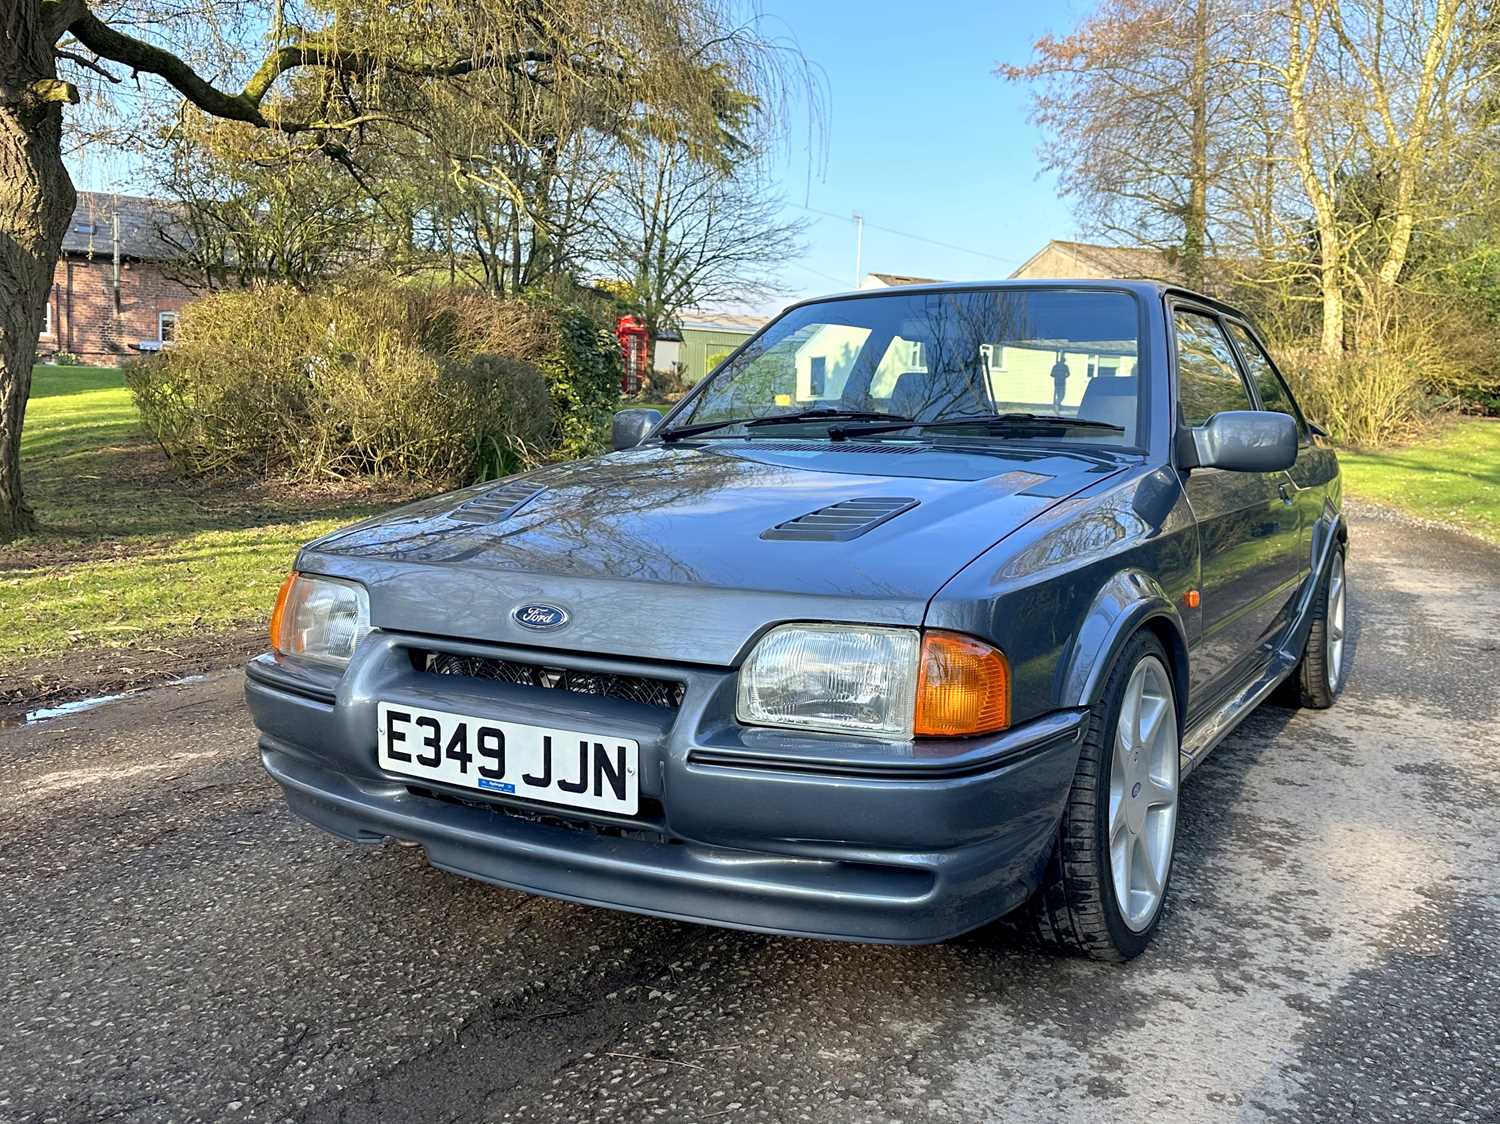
{"type": "Point", "coordinates": [540, 618]}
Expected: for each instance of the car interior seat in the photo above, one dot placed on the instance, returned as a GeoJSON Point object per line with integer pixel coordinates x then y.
{"type": "Point", "coordinates": [927, 396]}
{"type": "Point", "coordinates": [1111, 399]}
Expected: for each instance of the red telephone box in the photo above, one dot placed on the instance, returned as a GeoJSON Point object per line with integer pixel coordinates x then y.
{"type": "Point", "coordinates": [635, 350]}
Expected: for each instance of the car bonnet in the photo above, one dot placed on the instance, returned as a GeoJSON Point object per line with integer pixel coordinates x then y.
{"type": "Point", "coordinates": [687, 553]}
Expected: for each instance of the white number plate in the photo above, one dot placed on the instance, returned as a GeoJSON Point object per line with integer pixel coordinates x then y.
{"type": "Point", "coordinates": [536, 762]}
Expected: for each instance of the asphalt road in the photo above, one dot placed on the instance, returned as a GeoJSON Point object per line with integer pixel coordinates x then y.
{"type": "Point", "coordinates": [175, 946]}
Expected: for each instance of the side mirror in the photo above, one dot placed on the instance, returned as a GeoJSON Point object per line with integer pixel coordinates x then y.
{"type": "Point", "coordinates": [631, 427]}
{"type": "Point", "coordinates": [1241, 441]}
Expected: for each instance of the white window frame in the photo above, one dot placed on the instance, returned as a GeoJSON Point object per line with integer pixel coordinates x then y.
{"type": "Point", "coordinates": [47, 329]}
{"type": "Point", "coordinates": [162, 319]}
{"type": "Point", "coordinates": [994, 356]}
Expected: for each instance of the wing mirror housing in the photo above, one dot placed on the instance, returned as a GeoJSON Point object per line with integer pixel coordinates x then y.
{"type": "Point", "coordinates": [631, 427]}
{"type": "Point", "coordinates": [1240, 441]}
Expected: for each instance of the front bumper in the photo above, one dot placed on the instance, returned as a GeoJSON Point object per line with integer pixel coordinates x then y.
{"type": "Point", "coordinates": [757, 829]}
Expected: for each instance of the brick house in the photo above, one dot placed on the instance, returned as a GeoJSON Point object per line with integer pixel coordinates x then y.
{"type": "Point", "coordinates": [114, 293]}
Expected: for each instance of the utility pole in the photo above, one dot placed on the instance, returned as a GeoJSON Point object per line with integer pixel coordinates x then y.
{"type": "Point", "coordinates": [859, 246]}
{"type": "Point", "coordinates": [114, 241]}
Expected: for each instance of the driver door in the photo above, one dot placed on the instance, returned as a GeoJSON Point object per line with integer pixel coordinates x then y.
{"type": "Point", "coordinates": [1247, 528]}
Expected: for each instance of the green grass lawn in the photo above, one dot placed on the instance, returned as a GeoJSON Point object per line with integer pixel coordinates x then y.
{"type": "Point", "coordinates": [128, 554]}
{"type": "Point", "coordinates": [632, 404]}
{"type": "Point", "coordinates": [1452, 476]}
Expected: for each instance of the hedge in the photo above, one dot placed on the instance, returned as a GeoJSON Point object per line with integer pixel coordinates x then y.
{"type": "Point", "coordinates": [428, 386]}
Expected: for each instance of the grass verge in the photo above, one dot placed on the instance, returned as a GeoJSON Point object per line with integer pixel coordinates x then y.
{"type": "Point", "coordinates": [129, 556]}
{"type": "Point", "coordinates": [1452, 476]}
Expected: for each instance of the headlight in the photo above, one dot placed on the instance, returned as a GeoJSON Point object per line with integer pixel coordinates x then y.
{"type": "Point", "coordinates": [319, 619]}
{"type": "Point", "coordinates": [882, 682]}
{"type": "Point", "coordinates": [839, 678]}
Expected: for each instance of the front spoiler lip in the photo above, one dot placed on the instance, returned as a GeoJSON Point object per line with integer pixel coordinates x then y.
{"type": "Point", "coordinates": [858, 895]}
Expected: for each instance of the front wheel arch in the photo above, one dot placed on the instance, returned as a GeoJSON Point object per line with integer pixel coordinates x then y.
{"type": "Point", "coordinates": [1130, 601]}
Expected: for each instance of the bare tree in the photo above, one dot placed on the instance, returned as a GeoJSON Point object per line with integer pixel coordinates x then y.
{"type": "Point", "coordinates": [327, 72]}
{"type": "Point", "coordinates": [253, 205]}
{"type": "Point", "coordinates": [1135, 104]}
{"type": "Point", "coordinates": [1376, 100]}
{"type": "Point", "coordinates": [1335, 131]}
{"type": "Point", "coordinates": [682, 231]}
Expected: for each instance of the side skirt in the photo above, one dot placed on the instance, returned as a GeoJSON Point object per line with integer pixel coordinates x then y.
{"type": "Point", "coordinates": [1218, 723]}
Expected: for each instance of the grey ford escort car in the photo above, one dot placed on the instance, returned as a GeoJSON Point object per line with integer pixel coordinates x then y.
{"type": "Point", "coordinates": [918, 610]}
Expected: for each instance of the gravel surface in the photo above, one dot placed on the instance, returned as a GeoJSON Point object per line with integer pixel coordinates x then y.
{"type": "Point", "coordinates": [175, 946]}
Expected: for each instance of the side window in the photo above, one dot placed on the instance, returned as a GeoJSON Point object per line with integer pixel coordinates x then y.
{"type": "Point", "coordinates": [1208, 381]}
{"type": "Point", "coordinates": [1273, 392]}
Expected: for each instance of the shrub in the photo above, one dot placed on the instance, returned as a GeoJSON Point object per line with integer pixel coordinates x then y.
{"type": "Point", "coordinates": [583, 370]}
{"type": "Point", "coordinates": [1361, 398]}
{"type": "Point", "coordinates": [380, 381]}
{"type": "Point", "coordinates": [577, 354]}
{"type": "Point", "coordinates": [666, 386]}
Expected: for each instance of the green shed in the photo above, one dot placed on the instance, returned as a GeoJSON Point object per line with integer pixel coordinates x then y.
{"type": "Point", "coordinates": [707, 338]}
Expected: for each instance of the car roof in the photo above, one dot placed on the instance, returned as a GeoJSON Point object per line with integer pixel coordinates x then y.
{"type": "Point", "coordinates": [1156, 289]}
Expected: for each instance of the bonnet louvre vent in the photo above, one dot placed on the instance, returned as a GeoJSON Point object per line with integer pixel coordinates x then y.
{"type": "Point", "coordinates": [498, 503]}
{"type": "Point", "coordinates": [841, 521]}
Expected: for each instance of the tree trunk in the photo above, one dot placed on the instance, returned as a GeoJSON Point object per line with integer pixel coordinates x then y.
{"type": "Point", "coordinates": [1331, 281]}
{"type": "Point", "coordinates": [36, 204]}
{"type": "Point", "coordinates": [1195, 221]}
{"type": "Point", "coordinates": [1304, 28]}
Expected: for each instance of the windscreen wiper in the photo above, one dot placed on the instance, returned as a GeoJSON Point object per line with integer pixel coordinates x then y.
{"type": "Point", "coordinates": [820, 414]}
{"type": "Point", "coordinates": [991, 421]}
{"type": "Point", "coordinates": [677, 432]}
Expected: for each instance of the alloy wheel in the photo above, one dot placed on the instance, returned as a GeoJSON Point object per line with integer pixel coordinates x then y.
{"type": "Point", "coordinates": [1334, 627]}
{"type": "Point", "coordinates": [1143, 785]}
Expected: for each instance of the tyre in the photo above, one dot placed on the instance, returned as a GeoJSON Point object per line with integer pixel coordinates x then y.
{"type": "Point", "coordinates": [1320, 675]}
{"type": "Point", "coordinates": [1106, 879]}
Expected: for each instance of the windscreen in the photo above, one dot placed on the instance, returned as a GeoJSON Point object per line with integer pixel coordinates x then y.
{"type": "Point", "coordinates": [942, 356]}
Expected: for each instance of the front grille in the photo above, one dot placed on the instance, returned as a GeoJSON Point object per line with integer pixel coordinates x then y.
{"type": "Point", "coordinates": [664, 693]}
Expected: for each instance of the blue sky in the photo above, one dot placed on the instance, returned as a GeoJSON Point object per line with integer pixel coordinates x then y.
{"type": "Point", "coordinates": [922, 138]}
{"type": "Point", "coordinates": [919, 136]}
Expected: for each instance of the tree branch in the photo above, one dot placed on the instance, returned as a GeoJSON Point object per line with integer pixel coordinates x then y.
{"type": "Point", "coordinates": [58, 15]}
{"type": "Point", "coordinates": [313, 53]}
{"type": "Point", "coordinates": [245, 106]}
{"type": "Point", "coordinates": [110, 44]}
{"type": "Point", "coordinates": [87, 64]}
